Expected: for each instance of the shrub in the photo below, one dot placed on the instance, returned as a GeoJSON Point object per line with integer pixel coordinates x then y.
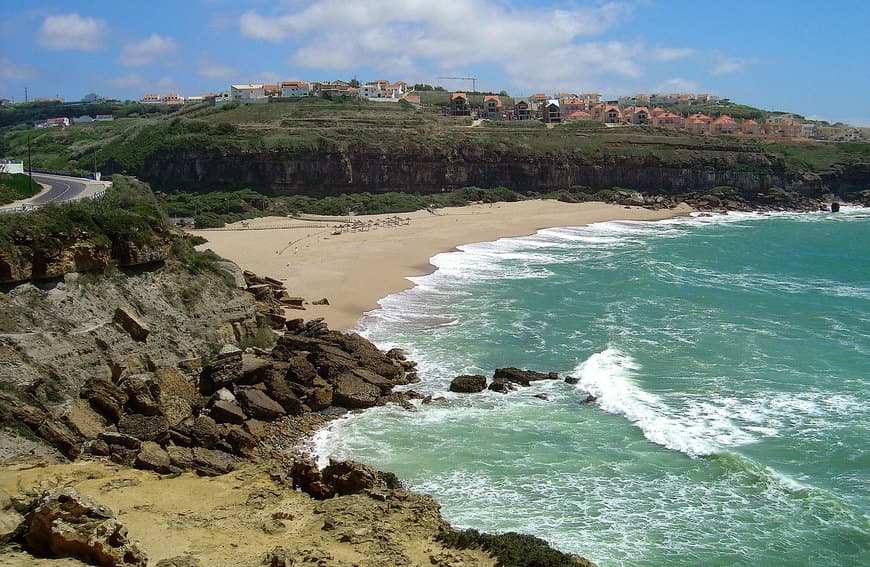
{"type": "Point", "coordinates": [510, 549]}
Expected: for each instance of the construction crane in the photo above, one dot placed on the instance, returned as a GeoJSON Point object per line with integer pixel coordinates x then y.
{"type": "Point", "coordinates": [472, 79]}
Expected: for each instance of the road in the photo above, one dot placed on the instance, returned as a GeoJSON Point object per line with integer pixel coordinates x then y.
{"type": "Point", "coordinates": [60, 188]}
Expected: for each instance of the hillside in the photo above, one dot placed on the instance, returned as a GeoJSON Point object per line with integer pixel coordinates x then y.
{"type": "Point", "coordinates": [319, 148]}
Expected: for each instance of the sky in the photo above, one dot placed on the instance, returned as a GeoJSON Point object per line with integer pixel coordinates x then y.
{"type": "Point", "coordinates": [792, 55]}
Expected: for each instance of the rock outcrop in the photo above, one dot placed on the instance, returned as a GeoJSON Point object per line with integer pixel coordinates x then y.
{"type": "Point", "coordinates": [507, 379]}
{"type": "Point", "coordinates": [468, 383]}
{"type": "Point", "coordinates": [66, 524]}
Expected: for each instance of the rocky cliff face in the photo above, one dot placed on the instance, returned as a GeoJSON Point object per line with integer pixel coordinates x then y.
{"type": "Point", "coordinates": [334, 171]}
{"type": "Point", "coordinates": [77, 255]}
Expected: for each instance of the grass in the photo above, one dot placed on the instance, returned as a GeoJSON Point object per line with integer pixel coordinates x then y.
{"type": "Point", "coordinates": [15, 186]}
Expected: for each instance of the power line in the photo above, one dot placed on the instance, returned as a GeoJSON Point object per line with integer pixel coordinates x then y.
{"type": "Point", "coordinates": [472, 79]}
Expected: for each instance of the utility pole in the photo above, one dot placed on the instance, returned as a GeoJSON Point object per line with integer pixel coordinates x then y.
{"type": "Point", "coordinates": [29, 163]}
{"type": "Point", "coordinates": [25, 94]}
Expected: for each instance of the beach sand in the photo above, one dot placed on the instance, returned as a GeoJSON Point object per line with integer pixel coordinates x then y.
{"type": "Point", "coordinates": [354, 270]}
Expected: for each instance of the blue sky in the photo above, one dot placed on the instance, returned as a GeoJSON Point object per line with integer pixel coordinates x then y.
{"type": "Point", "coordinates": [806, 57]}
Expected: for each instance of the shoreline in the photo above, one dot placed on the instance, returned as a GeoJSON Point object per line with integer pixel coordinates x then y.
{"type": "Point", "coordinates": [355, 270]}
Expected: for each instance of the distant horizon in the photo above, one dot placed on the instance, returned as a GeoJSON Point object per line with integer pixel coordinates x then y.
{"type": "Point", "coordinates": [777, 56]}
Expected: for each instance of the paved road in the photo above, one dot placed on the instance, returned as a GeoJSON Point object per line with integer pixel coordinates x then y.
{"type": "Point", "coordinates": [60, 189]}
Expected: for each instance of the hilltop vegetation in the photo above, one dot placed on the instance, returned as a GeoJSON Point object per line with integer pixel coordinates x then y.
{"type": "Point", "coordinates": [16, 186]}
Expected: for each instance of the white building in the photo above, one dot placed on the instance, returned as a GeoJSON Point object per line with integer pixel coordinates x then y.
{"type": "Point", "coordinates": [11, 166]}
{"type": "Point", "coordinates": [248, 93]}
{"type": "Point", "coordinates": [222, 98]}
{"type": "Point", "coordinates": [84, 119]}
{"type": "Point", "coordinates": [295, 89]}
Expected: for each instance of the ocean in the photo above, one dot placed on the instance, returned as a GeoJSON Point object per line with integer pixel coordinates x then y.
{"type": "Point", "coordinates": [730, 360]}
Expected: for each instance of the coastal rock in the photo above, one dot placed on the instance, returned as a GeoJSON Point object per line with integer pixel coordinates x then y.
{"type": "Point", "coordinates": [321, 395]}
{"type": "Point", "coordinates": [153, 457]}
{"type": "Point", "coordinates": [242, 442]}
{"type": "Point", "coordinates": [105, 397]}
{"type": "Point", "coordinates": [10, 519]}
{"type": "Point", "coordinates": [572, 380]}
{"type": "Point", "coordinates": [120, 439]}
{"type": "Point", "coordinates": [211, 462]}
{"type": "Point", "coordinates": [468, 383]}
{"type": "Point", "coordinates": [278, 389]}
{"type": "Point", "coordinates": [205, 432]}
{"type": "Point", "coordinates": [131, 323]}
{"type": "Point", "coordinates": [258, 405]}
{"type": "Point", "coordinates": [145, 428]}
{"type": "Point", "coordinates": [227, 411]}
{"type": "Point", "coordinates": [223, 371]}
{"type": "Point", "coordinates": [66, 524]}
{"type": "Point", "coordinates": [143, 394]}
{"type": "Point", "coordinates": [522, 377]}
{"type": "Point", "coordinates": [352, 392]}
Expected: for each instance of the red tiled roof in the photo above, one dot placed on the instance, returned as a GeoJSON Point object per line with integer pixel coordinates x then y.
{"type": "Point", "coordinates": [457, 95]}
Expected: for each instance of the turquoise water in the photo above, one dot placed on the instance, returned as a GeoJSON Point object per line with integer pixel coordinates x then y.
{"type": "Point", "coordinates": [730, 357]}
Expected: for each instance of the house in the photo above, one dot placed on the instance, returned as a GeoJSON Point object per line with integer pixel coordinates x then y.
{"type": "Point", "coordinates": [573, 104]}
{"type": "Point", "coordinates": [790, 129]}
{"type": "Point", "coordinates": [104, 118]}
{"type": "Point", "coordinates": [637, 115]}
{"type": "Point", "coordinates": [397, 89]}
{"type": "Point", "coordinates": [5, 101]}
{"type": "Point", "coordinates": [492, 107]}
{"type": "Point", "coordinates": [538, 100]}
{"type": "Point", "coordinates": [750, 127]}
{"type": "Point", "coordinates": [272, 90]}
{"type": "Point", "coordinates": [522, 109]}
{"type": "Point", "coordinates": [576, 115]}
{"type": "Point", "coordinates": [93, 97]}
{"type": "Point", "coordinates": [333, 89]}
{"type": "Point", "coordinates": [173, 99]}
{"type": "Point", "coordinates": [222, 98]}
{"type": "Point", "coordinates": [250, 93]}
{"type": "Point", "coordinates": [810, 130]}
{"type": "Point", "coordinates": [53, 123]}
{"type": "Point", "coordinates": [657, 111]}
{"type": "Point", "coordinates": [668, 120]}
{"type": "Point", "coordinates": [11, 166]}
{"type": "Point", "coordinates": [84, 119]}
{"type": "Point", "coordinates": [151, 98]}
{"type": "Point", "coordinates": [372, 90]}
{"type": "Point", "coordinates": [194, 99]}
{"type": "Point", "coordinates": [590, 99]}
{"type": "Point", "coordinates": [641, 99]}
{"type": "Point", "coordinates": [724, 125]}
{"type": "Point", "coordinates": [552, 112]}
{"type": "Point", "coordinates": [610, 114]}
{"type": "Point", "coordinates": [459, 105]}
{"type": "Point", "coordinates": [698, 123]}
{"type": "Point", "coordinates": [295, 89]}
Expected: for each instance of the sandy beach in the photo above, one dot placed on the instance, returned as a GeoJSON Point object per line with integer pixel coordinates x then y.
{"type": "Point", "coordinates": [356, 268]}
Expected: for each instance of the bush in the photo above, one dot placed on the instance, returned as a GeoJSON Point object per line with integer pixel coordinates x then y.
{"type": "Point", "coordinates": [208, 220]}
{"type": "Point", "coordinates": [510, 549]}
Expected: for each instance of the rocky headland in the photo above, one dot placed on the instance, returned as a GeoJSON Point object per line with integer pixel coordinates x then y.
{"type": "Point", "coordinates": [158, 417]}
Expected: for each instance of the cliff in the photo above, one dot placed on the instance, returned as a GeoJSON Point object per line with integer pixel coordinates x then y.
{"type": "Point", "coordinates": [332, 171]}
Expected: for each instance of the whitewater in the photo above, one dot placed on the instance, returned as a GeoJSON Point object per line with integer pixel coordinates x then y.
{"type": "Point", "coordinates": [728, 360]}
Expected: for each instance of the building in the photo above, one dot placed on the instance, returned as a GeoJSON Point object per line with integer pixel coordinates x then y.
{"type": "Point", "coordinates": [810, 130]}
{"type": "Point", "coordinates": [790, 129]}
{"type": "Point", "coordinates": [413, 99]}
{"type": "Point", "coordinates": [151, 98]}
{"type": "Point", "coordinates": [539, 101]}
{"type": "Point", "coordinates": [610, 114]}
{"type": "Point", "coordinates": [52, 123]}
{"type": "Point", "coordinates": [272, 90]}
{"type": "Point", "coordinates": [249, 93]}
{"type": "Point", "coordinates": [372, 90]}
{"type": "Point", "coordinates": [459, 105]}
{"type": "Point", "coordinates": [11, 166]}
{"type": "Point", "coordinates": [93, 97]}
{"type": "Point", "coordinates": [295, 89]}
{"type": "Point", "coordinates": [173, 99]}
{"type": "Point", "coordinates": [83, 119]}
{"type": "Point", "coordinates": [590, 99]}
{"type": "Point", "coordinates": [104, 118]}
{"type": "Point", "coordinates": [724, 125]}
{"type": "Point", "coordinates": [576, 115]}
{"type": "Point", "coordinates": [522, 109]}
{"type": "Point", "coordinates": [552, 112]}
{"type": "Point", "coordinates": [194, 99]}
{"type": "Point", "coordinates": [750, 127]}
{"type": "Point", "coordinates": [572, 104]}
{"type": "Point", "coordinates": [637, 115]}
{"type": "Point", "coordinates": [667, 120]}
{"type": "Point", "coordinates": [698, 123]}
{"type": "Point", "coordinates": [222, 98]}
{"type": "Point", "coordinates": [492, 107]}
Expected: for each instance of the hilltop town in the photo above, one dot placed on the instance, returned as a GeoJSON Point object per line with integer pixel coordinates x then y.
{"type": "Point", "coordinates": [699, 114]}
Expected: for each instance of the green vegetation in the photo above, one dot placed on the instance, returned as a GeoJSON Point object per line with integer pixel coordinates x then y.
{"type": "Point", "coordinates": [16, 186]}
{"type": "Point", "coordinates": [128, 212]}
{"type": "Point", "coordinates": [510, 549]}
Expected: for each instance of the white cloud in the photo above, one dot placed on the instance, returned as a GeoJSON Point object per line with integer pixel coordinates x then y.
{"type": "Point", "coordinates": [147, 51]}
{"type": "Point", "coordinates": [670, 53]}
{"type": "Point", "coordinates": [728, 65]}
{"type": "Point", "coordinates": [71, 31]}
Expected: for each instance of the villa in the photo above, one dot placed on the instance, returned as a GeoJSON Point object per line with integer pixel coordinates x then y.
{"type": "Point", "coordinates": [459, 105]}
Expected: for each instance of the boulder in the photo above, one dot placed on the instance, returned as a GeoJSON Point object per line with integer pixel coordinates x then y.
{"type": "Point", "coordinates": [145, 428]}
{"type": "Point", "coordinates": [278, 390]}
{"type": "Point", "coordinates": [180, 561]}
{"type": "Point", "coordinates": [226, 411]}
{"type": "Point", "coordinates": [175, 409]}
{"type": "Point", "coordinates": [258, 405]}
{"type": "Point", "coordinates": [468, 383]}
{"type": "Point", "coordinates": [522, 377]}
{"type": "Point", "coordinates": [152, 457]}
{"type": "Point", "coordinates": [59, 436]}
{"type": "Point", "coordinates": [105, 397]}
{"type": "Point", "coordinates": [321, 395]}
{"type": "Point", "coordinates": [66, 524]}
{"type": "Point", "coordinates": [503, 386]}
{"type": "Point", "coordinates": [120, 439]}
{"type": "Point", "coordinates": [134, 326]}
{"type": "Point", "coordinates": [367, 355]}
{"type": "Point", "coordinates": [352, 392]}
{"type": "Point", "coordinates": [181, 457]}
{"type": "Point", "coordinates": [210, 462]}
{"type": "Point", "coordinates": [143, 394]}
{"type": "Point", "coordinates": [204, 432]}
{"type": "Point", "coordinates": [322, 301]}
{"type": "Point", "coordinates": [572, 380]}
{"type": "Point", "coordinates": [174, 383]}
{"type": "Point", "coordinates": [226, 369]}
{"type": "Point", "coordinates": [10, 519]}
{"type": "Point", "coordinates": [242, 442]}
{"type": "Point", "coordinates": [299, 370]}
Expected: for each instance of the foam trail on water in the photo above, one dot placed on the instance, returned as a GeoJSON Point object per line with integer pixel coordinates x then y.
{"type": "Point", "coordinates": [608, 375]}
